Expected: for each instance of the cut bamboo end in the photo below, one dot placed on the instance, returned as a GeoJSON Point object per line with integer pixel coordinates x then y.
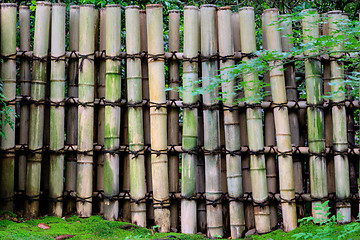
{"type": "Point", "coordinates": [133, 7]}
{"type": "Point", "coordinates": [87, 6]}
{"type": "Point", "coordinates": [208, 6]}
{"type": "Point", "coordinates": [24, 7]}
{"type": "Point", "coordinates": [74, 7]}
{"type": "Point", "coordinates": [224, 8]}
{"type": "Point", "coordinates": [113, 6]}
{"type": "Point", "coordinates": [58, 4]}
{"type": "Point", "coordinates": [154, 6]}
{"type": "Point", "coordinates": [43, 3]}
{"type": "Point", "coordinates": [191, 7]}
{"type": "Point", "coordinates": [4, 5]}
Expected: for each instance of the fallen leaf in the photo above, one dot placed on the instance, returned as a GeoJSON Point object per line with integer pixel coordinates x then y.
{"type": "Point", "coordinates": [43, 226]}
{"type": "Point", "coordinates": [66, 236]}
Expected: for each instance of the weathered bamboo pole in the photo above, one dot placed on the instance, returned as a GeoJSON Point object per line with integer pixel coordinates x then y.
{"type": "Point", "coordinates": [57, 118]}
{"type": "Point", "coordinates": [292, 95]}
{"type": "Point", "coordinates": [231, 124]}
{"type": "Point", "coordinates": [190, 129]}
{"type": "Point", "coordinates": [25, 81]}
{"type": "Point", "coordinates": [112, 113]}
{"type": "Point", "coordinates": [173, 116]}
{"type": "Point", "coordinates": [315, 115]}
{"type": "Point", "coordinates": [245, 158]}
{"type": "Point", "coordinates": [85, 112]}
{"type": "Point", "coordinates": [135, 116]}
{"type": "Point", "coordinates": [270, 138]}
{"type": "Point", "coordinates": [282, 124]}
{"type": "Point", "coordinates": [211, 122]}
{"type": "Point", "coordinates": [8, 79]}
{"type": "Point", "coordinates": [340, 142]}
{"type": "Point", "coordinates": [36, 129]}
{"type": "Point", "coordinates": [101, 109]}
{"type": "Point", "coordinates": [125, 159]}
{"type": "Point", "coordinates": [71, 114]}
{"type": "Point", "coordinates": [158, 117]}
{"type": "Point", "coordinates": [254, 124]}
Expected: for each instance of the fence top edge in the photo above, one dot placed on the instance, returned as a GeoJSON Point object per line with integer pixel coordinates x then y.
{"type": "Point", "coordinates": [224, 8]}
{"type": "Point", "coordinates": [132, 7]}
{"type": "Point", "coordinates": [208, 6]}
{"type": "Point", "coordinates": [335, 12]}
{"type": "Point", "coordinates": [74, 6]}
{"type": "Point", "coordinates": [174, 11]}
{"type": "Point", "coordinates": [113, 6]}
{"type": "Point", "coordinates": [8, 4]}
{"type": "Point", "coordinates": [271, 10]}
{"type": "Point", "coordinates": [59, 5]}
{"type": "Point", "coordinates": [191, 7]}
{"type": "Point", "coordinates": [154, 6]}
{"type": "Point", "coordinates": [246, 8]}
{"type": "Point", "coordinates": [87, 6]}
{"type": "Point", "coordinates": [43, 3]}
{"type": "Point", "coordinates": [24, 7]}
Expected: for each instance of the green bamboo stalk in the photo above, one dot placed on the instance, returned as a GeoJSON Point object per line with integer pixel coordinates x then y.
{"type": "Point", "coordinates": [340, 141]}
{"type": "Point", "coordinates": [231, 124]}
{"type": "Point", "coordinates": [85, 113]}
{"type": "Point", "coordinates": [8, 78]}
{"type": "Point", "coordinates": [190, 130]}
{"type": "Point", "coordinates": [57, 120]}
{"type": "Point", "coordinates": [254, 124]}
{"type": "Point", "coordinates": [112, 113]}
{"type": "Point", "coordinates": [158, 117]}
{"type": "Point", "coordinates": [25, 81]}
{"type": "Point", "coordinates": [173, 118]}
{"type": "Point", "coordinates": [315, 116]}
{"type": "Point", "coordinates": [36, 129]}
{"type": "Point", "coordinates": [211, 121]}
{"type": "Point", "coordinates": [282, 124]}
{"type": "Point", "coordinates": [135, 116]}
{"type": "Point", "coordinates": [72, 114]}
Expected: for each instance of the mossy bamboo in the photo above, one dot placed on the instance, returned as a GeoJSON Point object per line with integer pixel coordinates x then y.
{"type": "Point", "coordinates": [211, 122]}
{"type": "Point", "coordinates": [254, 124]}
{"type": "Point", "coordinates": [315, 116]}
{"type": "Point", "coordinates": [340, 141]}
{"type": "Point", "coordinates": [231, 124]}
{"type": "Point", "coordinates": [25, 84]}
{"type": "Point", "coordinates": [71, 114]}
{"type": "Point", "coordinates": [84, 185]}
{"type": "Point", "coordinates": [282, 124]}
{"type": "Point", "coordinates": [158, 117]}
{"type": "Point", "coordinates": [112, 113]}
{"type": "Point", "coordinates": [173, 115]}
{"type": "Point", "coordinates": [36, 129]}
{"type": "Point", "coordinates": [57, 117]}
{"type": "Point", "coordinates": [190, 129]}
{"type": "Point", "coordinates": [135, 117]}
{"type": "Point", "coordinates": [8, 79]}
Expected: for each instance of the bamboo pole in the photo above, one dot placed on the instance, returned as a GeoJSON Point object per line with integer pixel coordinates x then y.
{"type": "Point", "coordinates": [125, 207]}
{"type": "Point", "coordinates": [135, 117]}
{"type": "Point", "coordinates": [146, 114]}
{"type": "Point", "coordinates": [211, 122]}
{"type": "Point", "coordinates": [315, 116]}
{"type": "Point", "coordinates": [190, 128]}
{"type": "Point", "coordinates": [282, 124]}
{"type": "Point", "coordinates": [340, 142]}
{"type": "Point", "coordinates": [254, 124]}
{"type": "Point", "coordinates": [85, 113]}
{"type": "Point", "coordinates": [292, 95]}
{"type": "Point", "coordinates": [158, 117]}
{"type": "Point", "coordinates": [173, 117]}
{"type": "Point", "coordinates": [25, 80]}
{"type": "Point", "coordinates": [112, 113]}
{"type": "Point", "coordinates": [57, 118]}
{"type": "Point", "coordinates": [72, 113]}
{"type": "Point", "coordinates": [231, 124]}
{"type": "Point", "coordinates": [270, 135]}
{"type": "Point", "coordinates": [36, 129]}
{"type": "Point", "coordinates": [101, 109]}
{"type": "Point", "coordinates": [8, 78]}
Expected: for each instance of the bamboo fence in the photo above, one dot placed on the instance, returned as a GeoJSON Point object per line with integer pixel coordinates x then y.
{"type": "Point", "coordinates": [115, 142]}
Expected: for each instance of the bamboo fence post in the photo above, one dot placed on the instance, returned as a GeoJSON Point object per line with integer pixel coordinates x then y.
{"type": "Point", "coordinates": [231, 124]}
{"type": "Point", "coordinates": [57, 117]}
{"type": "Point", "coordinates": [125, 207]}
{"type": "Point", "coordinates": [173, 119]}
{"type": "Point", "coordinates": [254, 124]}
{"type": "Point", "coordinates": [315, 115]}
{"type": "Point", "coordinates": [340, 141]}
{"type": "Point", "coordinates": [292, 95]}
{"type": "Point", "coordinates": [72, 113]}
{"type": "Point", "coordinates": [211, 123]}
{"type": "Point", "coordinates": [135, 117]}
{"type": "Point", "coordinates": [36, 129]}
{"type": "Point", "coordinates": [282, 124]}
{"type": "Point", "coordinates": [85, 112]}
{"type": "Point", "coordinates": [25, 81]}
{"type": "Point", "coordinates": [270, 135]}
{"type": "Point", "coordinates": [190, 115]}
{"type": "Point", "coordinates": [101, 108]}
{"type": "Point", "coordinates": [158, 116]}
{"type": "Point", "coordinates": [146, 113]}
{"type": "Point", "coordinates": [112, 113]}
{"type": "Point", "coordinates": [8, 79]}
